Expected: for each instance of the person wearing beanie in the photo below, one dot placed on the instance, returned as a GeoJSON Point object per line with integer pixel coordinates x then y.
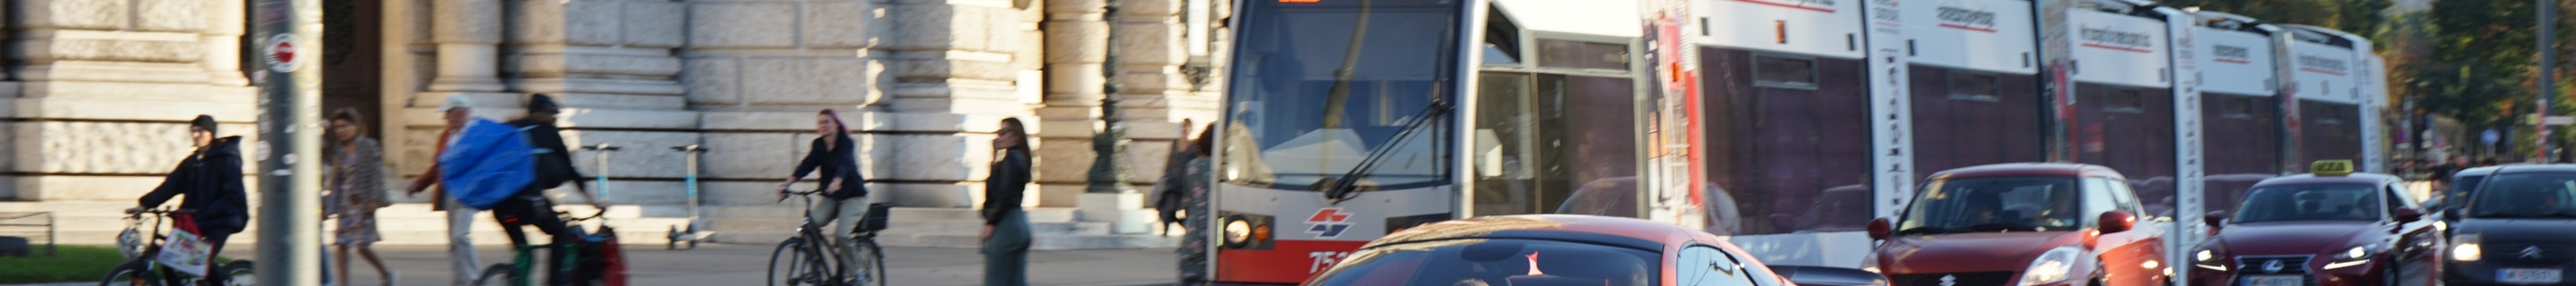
{"type": "Point", "coordinates": [530, 207]}
{"type": "Point", "coordinates": [211, 180]}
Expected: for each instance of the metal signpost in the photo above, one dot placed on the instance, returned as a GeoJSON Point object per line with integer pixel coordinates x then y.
{"type": "Point", "coordinates": [290, 145]}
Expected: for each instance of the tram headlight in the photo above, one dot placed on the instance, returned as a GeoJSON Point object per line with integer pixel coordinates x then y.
{"type": "Point", "coordinates": [1237, 231]}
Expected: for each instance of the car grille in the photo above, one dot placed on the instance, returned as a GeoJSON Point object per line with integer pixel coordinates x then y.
{"type": "Point", "coordinates": [2262, 265]}
{"type": "Point", "coordinates": [2525, 253]}
{"type": "Point", "coordinates": [1954, 279]}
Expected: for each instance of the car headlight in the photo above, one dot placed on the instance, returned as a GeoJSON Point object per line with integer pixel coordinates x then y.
{"type": "Point", "coordinates": [2209, 259]}
{"type": "Point", "coordinates": [2465, 248]}
{"type": "Point", "coordinates": [2355, 256]}
{"type": "Point", "coordinates": [2051, 267]}
{"type": "Point", "coordinates": [2466, 252]}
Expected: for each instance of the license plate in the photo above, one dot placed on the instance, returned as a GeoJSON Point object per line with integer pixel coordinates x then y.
{"type": "Point", "coordinates": [2275, 280]}
{"type": "Point", "coordinates": [2527, 276]}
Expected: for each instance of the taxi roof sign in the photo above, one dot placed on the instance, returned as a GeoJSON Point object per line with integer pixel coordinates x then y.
{"type": "Point", "coordinates": [2331, 168]}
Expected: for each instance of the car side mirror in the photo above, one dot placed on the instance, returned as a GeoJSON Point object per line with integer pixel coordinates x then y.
{"type": "Point", "coordinates": [2117, 221]}
{"type": "Point", "coordinates": [1879, 229]}
{"type": "Point", "coordinates": [2214, 219]}
{"type": "Point", "coordinates": [2409, 215]}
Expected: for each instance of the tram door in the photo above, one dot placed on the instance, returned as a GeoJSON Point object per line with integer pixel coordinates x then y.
{"type": "Point", "coordinates": [1558, 125]}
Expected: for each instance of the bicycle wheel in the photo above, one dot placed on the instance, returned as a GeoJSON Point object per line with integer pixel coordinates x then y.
{"type": "Point", "coordinates": [498, 274]}
{"type": "Point", "coordinates": [239, 273]}
{"type": "Point", "coordinates": [788, 265]}
{"type": "Point", "coordinates": [872, 266]}
{"type": "Point", "coordinates": [132, 273]}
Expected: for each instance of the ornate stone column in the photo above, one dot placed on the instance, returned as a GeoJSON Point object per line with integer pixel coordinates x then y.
{"type": "Point", "coordinates": [952, 84]}
{"type": "Point", "coordinates": [468, 33]}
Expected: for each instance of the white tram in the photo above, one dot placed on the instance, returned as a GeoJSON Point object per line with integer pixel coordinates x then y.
{"type": "Point", "coordinates": [1784, 124]}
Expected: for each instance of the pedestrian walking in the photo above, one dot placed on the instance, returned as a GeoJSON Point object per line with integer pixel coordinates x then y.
{"type": "Point", "coordinates": [1194, 200]}
{"type": "Point", "coordinates": [460, 219]}
{"type": "Point", "coordinates": [357, 189]}
{"type": "Point", "coordinates": [1006, 227]}
{"type": "Point", "coordinates": [211, 178]}
{"type": "Point", "coordinates": [1167, 189]}
{"type": "Point", "coordinates": [845, 193]}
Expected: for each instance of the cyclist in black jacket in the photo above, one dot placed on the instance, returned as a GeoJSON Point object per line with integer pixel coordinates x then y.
{"type": "Point", "coordinates": [554, 167]}
{"type": "Point", "coordinates": [211, 178]}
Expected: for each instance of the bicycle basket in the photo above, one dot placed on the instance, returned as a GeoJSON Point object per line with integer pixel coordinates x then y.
{"type": "Point", "coordinates": [130, 243]}
{"type": "Point", "coordinates": [875, 220]}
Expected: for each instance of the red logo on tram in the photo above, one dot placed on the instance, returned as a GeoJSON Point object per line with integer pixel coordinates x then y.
{"type": "Point", "coordinates": [1328, 223]}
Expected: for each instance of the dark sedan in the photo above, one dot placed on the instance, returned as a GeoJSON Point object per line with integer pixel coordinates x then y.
{"type": "Point", "coordinates": [2518, 227]}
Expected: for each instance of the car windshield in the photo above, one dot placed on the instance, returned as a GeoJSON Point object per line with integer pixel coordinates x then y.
{"type": "Point", "coordinates": [1496, 262]}
{"type": "Point", "coordinates": [2546, 195]}
{"type": "Point", "coordinates": [2310, 202]}
{"type": "Point", "coordinates": [1993, 204]}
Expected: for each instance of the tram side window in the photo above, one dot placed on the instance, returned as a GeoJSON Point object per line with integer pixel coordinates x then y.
{"type": "Point", "coordinates": [1582, 55]}
{"type": "Point", "coordinates": [2125, 101]}
{"type": "Point", "coordinates": [1784, 72]}
{"type": "Point", "coordinates": [1974, 86]}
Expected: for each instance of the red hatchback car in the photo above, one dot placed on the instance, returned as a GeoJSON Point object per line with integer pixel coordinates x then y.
{"type": "Point", "coordinates": [2326, 229]}
{"type": "Point", "coordinates": [2022, 224]}
{"type": "Point", "coordinates": [1568, 250]}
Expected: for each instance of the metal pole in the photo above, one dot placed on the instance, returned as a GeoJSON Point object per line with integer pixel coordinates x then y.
{"type": "Point", "coordinates": [290, 105]}
{"type": "Point", "coordinates": [2548, 69]}
{"type": "Point", "coordinates": [1110, 143]}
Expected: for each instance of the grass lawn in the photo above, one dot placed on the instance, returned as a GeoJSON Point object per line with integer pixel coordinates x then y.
{"type": "Point", "coordinates": [73, 263]}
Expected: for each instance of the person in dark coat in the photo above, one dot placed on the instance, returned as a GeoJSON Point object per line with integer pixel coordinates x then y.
{"type": "Point", "coordinates": [845, 193]}
{"type": "Point", "coordinates": [211, 178]}
{"type": "Point", "coordinates": [530, 207]}
{"type": "Point", "coordinates": [1167, 190]}
{"type": "Point", "coordinates": [1006, 227]}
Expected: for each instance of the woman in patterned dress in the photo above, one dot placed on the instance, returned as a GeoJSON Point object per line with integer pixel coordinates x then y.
{"type": "Point", "coordinates": [1194, 247]}
{"type": "Point", "coordinates": [357, 190]}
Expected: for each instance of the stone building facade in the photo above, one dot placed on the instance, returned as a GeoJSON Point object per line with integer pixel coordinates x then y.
{"type": "Point", "coordinates": [96, 92]}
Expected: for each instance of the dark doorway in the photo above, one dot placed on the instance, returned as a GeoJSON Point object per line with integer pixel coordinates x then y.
{"type": "Point", "coordinates": [351, 77]}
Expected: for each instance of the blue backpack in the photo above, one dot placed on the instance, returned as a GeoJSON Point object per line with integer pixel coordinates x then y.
{"type": "Point", "coordinates": [488, 162]}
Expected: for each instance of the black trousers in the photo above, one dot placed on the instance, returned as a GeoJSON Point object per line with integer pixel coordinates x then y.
{"type": "Point", "coordinates": [216, 238]}
{"type": "Point", "coordinates": [531, 208]}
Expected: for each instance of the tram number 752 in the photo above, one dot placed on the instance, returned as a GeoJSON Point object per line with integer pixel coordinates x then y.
{"type": "Point", "coordinates": [1324, 260]}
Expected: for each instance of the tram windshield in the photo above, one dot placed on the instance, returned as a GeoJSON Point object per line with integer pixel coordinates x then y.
{"type": "Point", "coordinates": [1319, 85]}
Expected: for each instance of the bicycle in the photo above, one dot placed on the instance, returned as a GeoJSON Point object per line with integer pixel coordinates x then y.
{"type": "Point", "coordinates": [523, 258]}
{"type": "Point", "coordinates": [800, 260]}
{"type": "Point", "coordinates": [140, 267]}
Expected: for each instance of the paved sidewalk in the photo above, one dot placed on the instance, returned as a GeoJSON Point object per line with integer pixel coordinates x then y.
{"type": "Point", "coordinates": [737, 264]}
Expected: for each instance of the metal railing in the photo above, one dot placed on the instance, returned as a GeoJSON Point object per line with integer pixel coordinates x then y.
{"type": "Point", "coordinates": [33, 220]}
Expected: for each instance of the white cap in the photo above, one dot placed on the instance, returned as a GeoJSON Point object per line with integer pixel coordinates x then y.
{"type": "Point", "coordinates": [454, 101]}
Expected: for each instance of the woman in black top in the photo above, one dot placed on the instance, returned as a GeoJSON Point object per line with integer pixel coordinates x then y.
{"type": "Point", "coordinates": [1006, 228]}
{"type": "Point", "coordinates": [845, 193]}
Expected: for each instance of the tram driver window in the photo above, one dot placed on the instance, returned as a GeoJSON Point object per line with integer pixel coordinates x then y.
{"type": "Point", "coordinates": [1784, 72]}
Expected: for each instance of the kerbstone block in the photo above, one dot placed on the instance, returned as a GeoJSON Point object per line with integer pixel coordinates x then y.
{"type": "Point", "coordinates": [742, 25]}
{"type": "Point", "coordinates": [170, 15]}
{"type": "Point", "coordinates": [840, 24]}
{"type": "Point", "coordinates": [713, 80]}
{"type": "Point", "coordinates": [655, 24]}
{"type": "Point", "coordinates": [72, 14]}
{"type": "Point", "coordinates": [806, 80]}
